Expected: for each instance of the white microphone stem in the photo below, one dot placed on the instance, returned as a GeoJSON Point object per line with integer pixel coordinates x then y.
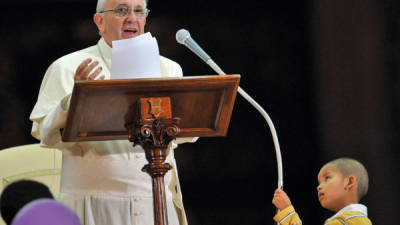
{"type": "Point", "coordinates": [217, 69]}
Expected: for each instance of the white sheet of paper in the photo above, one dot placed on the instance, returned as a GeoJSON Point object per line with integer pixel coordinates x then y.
{"type": "Point", "coordinates": [132, 41]}
{"type": "Point", "coordinates": [136, 57]}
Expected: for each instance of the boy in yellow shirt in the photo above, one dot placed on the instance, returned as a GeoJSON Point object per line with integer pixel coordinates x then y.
{"type": "Point", "coordinates": [342, 183]}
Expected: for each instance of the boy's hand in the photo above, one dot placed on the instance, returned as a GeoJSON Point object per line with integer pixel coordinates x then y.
{"type": "Point", "coordinates": [281, 200]}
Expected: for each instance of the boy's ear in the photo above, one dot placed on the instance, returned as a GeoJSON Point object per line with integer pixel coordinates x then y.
{"type": "Point", "coordinates": [351, 182]}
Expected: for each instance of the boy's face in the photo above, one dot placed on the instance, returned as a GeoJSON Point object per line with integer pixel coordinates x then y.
{"type": "Point", "coordinates": [332, 191]}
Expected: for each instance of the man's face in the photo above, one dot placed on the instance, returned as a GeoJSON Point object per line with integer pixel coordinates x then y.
{"type": "Point", "coordinates": [113, 27]}
{"type": "Point", "coordinates": [331, 188]}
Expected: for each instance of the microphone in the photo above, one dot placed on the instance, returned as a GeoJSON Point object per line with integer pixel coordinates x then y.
{"type": "Point", "coordinates": [183, 37]}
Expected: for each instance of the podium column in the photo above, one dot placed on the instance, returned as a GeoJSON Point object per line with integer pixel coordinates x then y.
{"type": "Point", "coordinates": [154, 130]}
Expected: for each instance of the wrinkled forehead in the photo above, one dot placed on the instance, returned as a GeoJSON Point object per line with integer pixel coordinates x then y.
{"type": "Point", "coordinates": [129, 3]}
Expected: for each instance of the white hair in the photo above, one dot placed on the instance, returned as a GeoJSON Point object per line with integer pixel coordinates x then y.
{"type": "Point", "coordinates": [102, 3]}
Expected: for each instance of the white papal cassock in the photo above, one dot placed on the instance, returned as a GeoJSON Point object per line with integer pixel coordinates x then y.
{"type": "Point", "coordinates": [101, 181]}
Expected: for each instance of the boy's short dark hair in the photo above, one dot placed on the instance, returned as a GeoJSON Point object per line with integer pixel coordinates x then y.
{"type": "Point", "coordinates": [17, 194]}
{"type": "Point", "coordinates": [349, 166]}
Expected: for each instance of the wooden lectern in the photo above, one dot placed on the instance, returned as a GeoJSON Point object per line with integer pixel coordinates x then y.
{"type": "Point", "coordinates": [151, 113]}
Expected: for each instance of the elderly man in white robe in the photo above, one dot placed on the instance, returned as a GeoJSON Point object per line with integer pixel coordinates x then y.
{"type": "Point", "coordinates": [102, 181]}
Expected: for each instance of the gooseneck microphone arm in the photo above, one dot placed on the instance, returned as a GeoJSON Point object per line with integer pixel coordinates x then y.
{"type": "Point", "coordinates": [269, 122]}
{"type": "Point", "coordinates": [183, 37]}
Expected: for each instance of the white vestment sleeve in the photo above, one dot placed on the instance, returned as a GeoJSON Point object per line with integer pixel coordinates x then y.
{"type": "Point", "coordinates": [186, 140]}
{"type": "Point", "coordinates": [50, 129]}
{"type": "Point", "coordinates": [50, 112]}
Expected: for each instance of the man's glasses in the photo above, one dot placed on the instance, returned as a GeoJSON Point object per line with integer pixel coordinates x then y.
{"type": "Point", "coordinates": [122, 11]}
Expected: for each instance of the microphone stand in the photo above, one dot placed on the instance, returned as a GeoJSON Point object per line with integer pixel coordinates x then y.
{"type": "Point", "coordinates": [183, 37]}
{"type": "Point", "coordinates": [217, 69]}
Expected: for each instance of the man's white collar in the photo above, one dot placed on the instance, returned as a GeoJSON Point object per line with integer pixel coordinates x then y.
{"type": "Point", "coordinates": [105, 52]}
{"type": "Point", "coordinates": [105, 48]}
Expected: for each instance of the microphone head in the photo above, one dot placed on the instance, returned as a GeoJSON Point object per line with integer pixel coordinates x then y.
{"type": "Point", "coordinates": [182, 35]}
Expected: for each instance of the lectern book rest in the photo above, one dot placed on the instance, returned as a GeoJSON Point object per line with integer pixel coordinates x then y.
{"type": "Point", "coordinates": [100, 109]}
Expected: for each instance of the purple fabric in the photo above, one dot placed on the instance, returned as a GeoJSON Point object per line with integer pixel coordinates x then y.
{"type": "Point", "coordinates": [46, 212]}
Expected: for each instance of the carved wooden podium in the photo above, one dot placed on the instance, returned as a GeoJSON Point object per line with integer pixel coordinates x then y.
{"type": "Point", "coordinates": [151, 113]}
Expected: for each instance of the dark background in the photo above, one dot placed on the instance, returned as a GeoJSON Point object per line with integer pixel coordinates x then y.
{"type": "Point", "coordinates": [327, 72]}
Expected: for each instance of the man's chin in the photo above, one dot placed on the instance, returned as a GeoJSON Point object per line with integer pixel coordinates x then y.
{"type": "Point", "coordinates": [127, 35]}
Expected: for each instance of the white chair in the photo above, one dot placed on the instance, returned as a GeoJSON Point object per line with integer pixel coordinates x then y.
{"type": "Point", "coordinates": [31, 162]}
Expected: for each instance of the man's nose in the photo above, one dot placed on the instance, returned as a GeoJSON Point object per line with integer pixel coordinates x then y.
{"type": "Point", "coordinates": [131, 16]}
